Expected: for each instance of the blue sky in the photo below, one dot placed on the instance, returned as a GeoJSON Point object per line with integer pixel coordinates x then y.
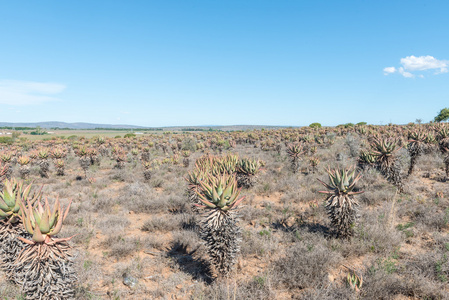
{"type": "Point", "coordinates": [163, 63]}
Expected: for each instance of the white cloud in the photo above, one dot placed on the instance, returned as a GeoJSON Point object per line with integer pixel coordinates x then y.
{"type": "Point", "coordinates": [405, 73]}
{"type": "Point", "coordinates": [389, 70]}
{"type": "Point", "coordinates": [419, 63]}
{"type": "Point", "coordinates": [442, 70]}
{"type": "Point", "coordinates": [14, 92]}
{"type": "Point", "coordinates": [422, 63]}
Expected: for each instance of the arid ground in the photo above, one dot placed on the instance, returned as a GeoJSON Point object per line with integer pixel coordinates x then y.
{"type": "Point", "coordinates": [138, 238]}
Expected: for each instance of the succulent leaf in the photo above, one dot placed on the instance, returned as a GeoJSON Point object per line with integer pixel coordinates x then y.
{"type": "Point", "coordinates": [341, 181]}
{"type": "Point", "coordinates": [42, 222]}
{"type": "Point", "coordinates": [220, 192]}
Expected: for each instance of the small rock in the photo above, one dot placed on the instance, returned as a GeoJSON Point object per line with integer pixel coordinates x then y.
{"type": "Point", "coordinates": [130, 281]}
{"type": "Point", "coordinates": [179, 286]}
{"type": "Point", "coordinates": [290, 222]}
{"type": "Point", "coordinates": [150, 252]}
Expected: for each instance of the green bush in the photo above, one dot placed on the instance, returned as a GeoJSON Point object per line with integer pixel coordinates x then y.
{"type": "Point", "coordinates": [346, 125]}
{"type": "Point", "coordinates": [129, 135]}
{"type": "Point", "coordinates": [443, 115]}
{"type": "Point", "coordinates": [6, 140]}
{"type": "Point", "coordinates": [315, 125]}
{"type": "Point", "coordinates": [38, 133]}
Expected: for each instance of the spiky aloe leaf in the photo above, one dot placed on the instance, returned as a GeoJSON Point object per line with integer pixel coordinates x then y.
{"type": "Point", "coordinates": [42, 222]}
{"type": "Point", "coordinates": [341, 181]}
{"type": "Point", "coordinates": [13, 194]}
{"type": "Point", "coordinates": [221, 192]}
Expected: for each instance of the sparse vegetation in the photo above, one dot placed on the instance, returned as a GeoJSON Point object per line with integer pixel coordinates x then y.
{"type": "Point", "coordinates": [138, 234]}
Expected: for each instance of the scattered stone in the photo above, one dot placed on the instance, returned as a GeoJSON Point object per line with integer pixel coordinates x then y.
{"type": "Point", "coordinates": [150, 252]}
{"type": "Point", "coordinates": [130, 281]}
{"type": "Point", "coordinates": [290, 221]}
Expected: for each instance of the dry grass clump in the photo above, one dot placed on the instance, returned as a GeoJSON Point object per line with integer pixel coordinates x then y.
{"type": "Point", "coordinates": [260, 242]}
{"type": "Point", "coordinates": [426, 215]}
{"type": "Point", "coordinates": [430, 162]}
{"type": "Point", "coordinates": [150, 203]}
{"type": "Point", "coordinates": [259, 288]}
{"type": "Point", "coordinates": [433, 264]}
{"type": "Point", "coordinates": [249, 213]}
{"type": "Point", "coordinates": [375, 197]}
{"type": "Point", "coordinates": [88, 272]}
{"type": "Point", "coordinates": [112, 224]}
{"type": "Point", "coordinates": [135, 268]}
{"type": "Point", "coordinates": [163, 224]}
{"type": "Point", "coordinates": [387, 278]}
{"type": "Point", "coordinates": [376, 233]}
{"type": "Point", "coordinates": [329, 292]}
{"type": "Point", "coordinates": [103, 204]}
{"type": "Point", "coordinates": [432, 217]}
{"type": "Point", "coordinates": [377, 189]}
{"type": "Point", "coordinates": [306, 264]}
{"type": "Point", "coordinates": [282, 184]}
{"type": "Point", "coordinates": [120, 247]}
{"type": "Point", "coordinates": [151, 242]}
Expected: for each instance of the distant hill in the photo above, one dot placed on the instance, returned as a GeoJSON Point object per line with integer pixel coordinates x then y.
{"type": "Point", "coordinates": [81, 126]}
{"type": "Point", "coordinates": [223, 127]}
{"type": "Point", "coordinates": [48, 125]}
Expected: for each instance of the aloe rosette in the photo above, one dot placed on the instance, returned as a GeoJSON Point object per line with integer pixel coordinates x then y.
{"type": "Point", "coordinates": [219, 193]}
{"type": "Point", "coordinates": [341, 204]}
{"type": "Point", "coordinates": [13, 194]}
{"type": "Point", "coordinates": [43, 223]}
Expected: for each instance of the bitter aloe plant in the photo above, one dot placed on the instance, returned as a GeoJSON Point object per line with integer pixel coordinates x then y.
{"type": "Point", "coordinates": [386, 162]}
{"type": "Point", "coordinates": [44, 268]}
{"type": "Point", "coordinates": [295, 151]}
{"type": "Point", "coordinates": [341, 204]}
{"type": "Point", "coordinates": [220, 198]}
{"type": "Point", "coordinates": [14, 192]}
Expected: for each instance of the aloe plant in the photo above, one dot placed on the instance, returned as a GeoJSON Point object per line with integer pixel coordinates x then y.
{"type": "Point", "coordinates": [44, 268]}
{"type": "Point", "coordinates": [220, 198]}
{"type": "Point", "coordinates": [341, 204]}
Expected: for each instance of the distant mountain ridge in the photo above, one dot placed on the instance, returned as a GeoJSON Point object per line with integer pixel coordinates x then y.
{"type": "Point", "coordinates": [83, 126]}
{"type": "Point", "coordinates": [78, 125]}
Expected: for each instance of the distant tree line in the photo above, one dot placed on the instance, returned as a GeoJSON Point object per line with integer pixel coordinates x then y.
{"type": "Point", "coordinates": [126, 129]}
{"type": "Point", "coordinates": [17, 128]}
{"type": "Point", "coordinates": [194, 129]}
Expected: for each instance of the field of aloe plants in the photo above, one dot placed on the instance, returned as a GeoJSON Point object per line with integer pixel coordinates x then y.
{"type": "Point", "coordinates": [347, 212]}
